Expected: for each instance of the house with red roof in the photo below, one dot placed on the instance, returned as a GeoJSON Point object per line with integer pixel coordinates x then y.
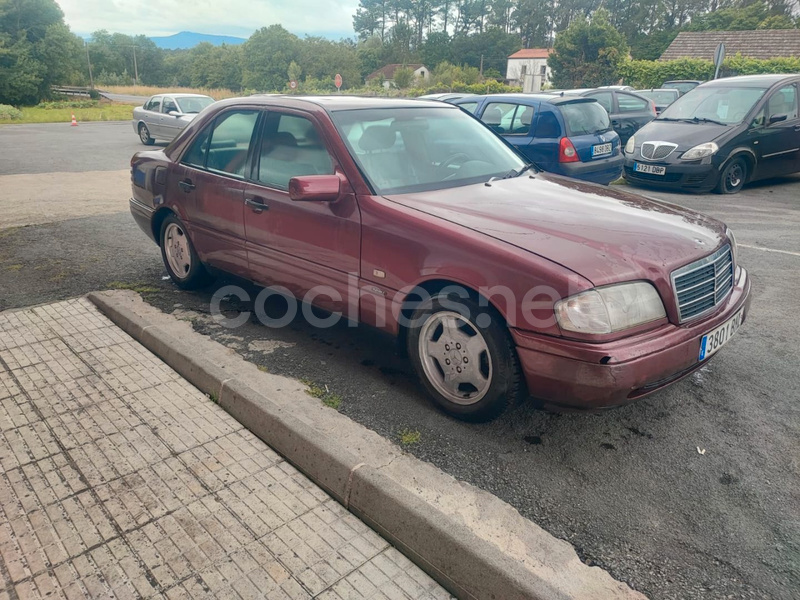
{"type": "Point", "coordinates": [529, 64]}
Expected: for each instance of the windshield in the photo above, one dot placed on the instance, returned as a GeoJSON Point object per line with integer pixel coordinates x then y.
{"type": "Point", "coordinates": [659, 96]}
{"type": "Point", "coordinates": [403, 150]}
{"type": "Point", "coordinates": [585, 118]}
{"type": "Point", "coordinates": [193, 105]}
{"type": "Point", "coordinates": [726, 105]}
{"type": "Point", "coordinates": [682, 87]}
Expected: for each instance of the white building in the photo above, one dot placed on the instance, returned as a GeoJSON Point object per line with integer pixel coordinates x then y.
{"type": "Point", "coordinates": [421, 73]}
{"type": "Point", "coordinates": [528, 68]}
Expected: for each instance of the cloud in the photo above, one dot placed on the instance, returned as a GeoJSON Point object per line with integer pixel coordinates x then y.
{"type": "Point", "coordinates": [331, 18]}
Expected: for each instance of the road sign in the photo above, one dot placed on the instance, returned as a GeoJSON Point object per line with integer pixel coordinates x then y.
{"type": "Point", "coordinates": [293, 84]}
{"type": "Point", "coordinates": [338, 81]}
{"type": "Point", "coordinates": [719, 56]}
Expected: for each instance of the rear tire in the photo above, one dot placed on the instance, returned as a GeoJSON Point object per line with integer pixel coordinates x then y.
{"type": "Point", "coordinates": [144, 135]}
{"type": "Point", "coordinates": [733, 176]}
{"type": "Point", "coordinates": [180, 259]}
{"type": "Point", "coordinates": [465, 359]}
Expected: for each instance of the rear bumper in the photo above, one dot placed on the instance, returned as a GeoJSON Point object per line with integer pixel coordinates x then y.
{"type": "Point", "coordinates": [603, 171]}
{"type": "Point", "coordinates": [578, 375]}
{"type": "Point", "coordinates": [689, 177]}
{"type": "Point", "coordinates": [143, 216]}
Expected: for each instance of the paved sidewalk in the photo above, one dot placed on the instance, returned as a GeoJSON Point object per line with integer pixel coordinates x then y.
{"type": "Point", "coordinates": [120, 479]}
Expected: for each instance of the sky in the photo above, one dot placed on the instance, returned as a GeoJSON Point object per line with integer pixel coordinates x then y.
{"type": "Point", "coordinates": [328, 18]}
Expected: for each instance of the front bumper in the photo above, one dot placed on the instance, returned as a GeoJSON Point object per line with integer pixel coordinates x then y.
{"type": "Point", "coordinates": [583, 376]}
{"type": "Point", "coordinates": [602, 171]}
{"type": "Point", "coordinates": [694, 177]}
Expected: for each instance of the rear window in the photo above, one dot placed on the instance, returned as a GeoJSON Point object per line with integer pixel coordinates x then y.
{"type": "Point", "coordinates": [659, 97]}
{"type": "Point", "coordinates": [585, 118]}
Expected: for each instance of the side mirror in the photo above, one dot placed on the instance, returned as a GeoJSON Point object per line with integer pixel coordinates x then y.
{"type": "Point", "coordinates": [315, 188]}
{"type": "Point", "coordinates": [777, 118]}
{"type": "Point", "coordinates": [175, 113]}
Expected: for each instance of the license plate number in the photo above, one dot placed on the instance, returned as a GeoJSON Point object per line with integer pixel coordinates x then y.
{"type": "Point", "coordinates": [652, 169]}
{"type": "Point", "coordinates": [716, 339]}
{"type": "Point", "coordinates": [601, 149]}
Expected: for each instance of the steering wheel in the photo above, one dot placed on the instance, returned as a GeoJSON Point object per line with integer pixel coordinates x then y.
{"type": "Point", "coordinates": [452, 159]}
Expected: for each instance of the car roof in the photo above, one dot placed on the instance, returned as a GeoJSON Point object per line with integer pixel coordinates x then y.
{"type": "Point", "coordinates": [162, 94]}
{"type": "Point", "coordinates": [335, 103]}
{"type": "Point", "coordinates": [552, 98]}
{"type": "Point", "coordinates": [752, 80]}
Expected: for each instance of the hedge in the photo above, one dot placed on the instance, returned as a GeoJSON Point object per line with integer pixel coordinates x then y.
{"type": "Point", "coordinates": [643, 74]}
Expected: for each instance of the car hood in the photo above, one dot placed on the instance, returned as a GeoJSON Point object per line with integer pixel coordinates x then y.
{"type": "Point", "coordinates": [604, 234]}
{"type": "Point", "coordinates": [686, 135]}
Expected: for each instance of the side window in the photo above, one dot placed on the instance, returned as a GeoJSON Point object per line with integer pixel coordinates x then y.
{"type": "Point", "coordinates": [291, 147]}
{"type": "Point", "coordinates": [169, 104]}
{"type": "Point", "coordinates": [783, 102]}
{"type": "Point", "coordinates": [196, 154]}
{"type": "Point", "coordinates": [230, 142]}
{"type": "Point", "coordinates": [628, 103]}
{"type": "Point", "coordinates": [498, 116]}
{"type": "Point", "coordinates": [469, 106]}
{"type": "Point", "coordinates": [154, 104]}
{"type": "Point", "coordinates": [548, 126]}
{"type": "Point", "coordinates": [521, 123]}
{"type": "Point", "coordinates": [606, 100]}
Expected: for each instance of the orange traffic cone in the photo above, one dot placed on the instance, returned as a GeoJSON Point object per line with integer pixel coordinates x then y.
{"type": "Point", "coordinates": [74, 122]}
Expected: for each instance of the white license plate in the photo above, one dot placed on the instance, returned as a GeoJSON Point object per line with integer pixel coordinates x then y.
{"type": "Point", "coordinates": [652, 169]}
{"type": "Point", "coordinates": [601, 149]}
{"type": "Point", "coordinates": [716, 339]}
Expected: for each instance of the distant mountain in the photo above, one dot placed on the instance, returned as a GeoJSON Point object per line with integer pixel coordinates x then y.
{"type": "Point", "coordinates": [189, 39]}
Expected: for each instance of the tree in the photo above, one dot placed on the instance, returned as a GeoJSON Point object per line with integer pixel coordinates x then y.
{"type": "Point", "coordinates": [588, 53]}
{"type": "Point", "coordinates": [403, 78]}
{"type": "Point", "coordinates": [37, 50]}
{"type": "Point", "coordinates": [266, 57]}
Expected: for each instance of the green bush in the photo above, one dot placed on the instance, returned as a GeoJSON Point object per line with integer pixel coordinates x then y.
{"type": "Point", "coordinates": [653, 73]}
{"type": "Point", "coordinates": [68, 104]}
{"type": "Point", "coordinates": [9, 113]}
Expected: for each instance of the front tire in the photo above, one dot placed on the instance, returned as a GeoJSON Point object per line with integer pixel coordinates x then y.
{"type": "Point", "coordinates": [144, 135]}
{"type": "Point", "coordinates": [465, 358]}
{"type": "Point", "coordinates": [180, 259]}
{"type": "Point", "coordinates": [733, 176]}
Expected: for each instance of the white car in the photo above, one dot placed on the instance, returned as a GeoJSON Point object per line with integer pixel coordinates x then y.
{"type": "Point", "coordinates": [163, 116]}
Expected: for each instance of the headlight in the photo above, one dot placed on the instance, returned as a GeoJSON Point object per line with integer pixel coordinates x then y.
{"type": "Point", "coordinates": [700, 151]}
{"type": "Point", "coordinates": [609, 309]}
{"type": "Point", "coordinates": [631, 145]}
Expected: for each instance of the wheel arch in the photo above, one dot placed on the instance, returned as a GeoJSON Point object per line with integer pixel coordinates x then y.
{"type": "Point", "coordinates": [158, 220]}
{"type": "Point", "coordinates": [749, 157]}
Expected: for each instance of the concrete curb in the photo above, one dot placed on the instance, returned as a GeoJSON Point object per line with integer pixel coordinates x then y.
{"type": "Point", "coordinates": [465, 564]}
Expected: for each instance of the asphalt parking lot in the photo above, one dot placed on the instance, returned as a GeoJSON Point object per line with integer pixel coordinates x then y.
{"type": "Point", "coordinates": [691, 493]}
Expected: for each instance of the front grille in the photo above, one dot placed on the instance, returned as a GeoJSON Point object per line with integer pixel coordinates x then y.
{"type": "Point", "coordinates": [702, 285]}
{"type": "Point", "coordinates": [657, 150]}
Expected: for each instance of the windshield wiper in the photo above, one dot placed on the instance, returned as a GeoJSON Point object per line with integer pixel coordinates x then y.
{"type": "Point", "coordinates": [704, 120]}
{"type": "Point", "coordinates": [514, 173]}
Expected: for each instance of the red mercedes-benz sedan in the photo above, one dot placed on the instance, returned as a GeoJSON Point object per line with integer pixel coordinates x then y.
{"type": "Point", "coordinates": [411, 216]}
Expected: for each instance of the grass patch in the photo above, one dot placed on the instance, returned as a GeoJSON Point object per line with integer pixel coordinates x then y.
{"type": "Point", "coordinates": [213, 398]}
{"type": "Point", "coordinates": [139, 288]}
{"type": "Point", "coordinates": [620, 181]}
{"type": "Point", "coordinates": [13, 268]}
{"type": "Point", "coordinates": [409, 437]}
{"type": "Point", "coordinates": [101, 112]}
{"type": "Point", "coordinates": [140, 90]}
{"type": "Point", "coordinates": [263, 369]}
{"type": "Point", "coordinates": [314, 390]}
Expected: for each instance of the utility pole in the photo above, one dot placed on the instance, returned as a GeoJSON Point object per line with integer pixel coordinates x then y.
{"type": "Point", "coordinates": [89, 63]}
{"type": "Point", "coordinates": [481, 66]}
{"type": "Point", "coordinates": [135, 69]}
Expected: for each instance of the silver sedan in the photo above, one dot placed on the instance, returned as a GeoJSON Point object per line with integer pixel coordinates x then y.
{"type": "Point", "coordinates": [163, 116]}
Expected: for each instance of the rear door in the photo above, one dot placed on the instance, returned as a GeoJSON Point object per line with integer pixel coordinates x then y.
{"type": "Point", "coordinates": [300, 245]}
{"type": "Point", "coordinates": [511, 120]}
{"type": "Point", "coordinates": [212, 177]}
{"type": "Point", "coordinates": [631, 114]}
{"type": "Point", "coordinates": [778, 142]}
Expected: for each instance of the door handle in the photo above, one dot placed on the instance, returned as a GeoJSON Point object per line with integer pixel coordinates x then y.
{"type": "Point", "coordinates": [257, 204]}
{"type": "Point", "coordinates": [186, 185]}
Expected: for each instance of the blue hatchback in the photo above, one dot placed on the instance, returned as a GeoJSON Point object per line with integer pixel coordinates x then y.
{"type": "Point", "coordinates": [568, 135]}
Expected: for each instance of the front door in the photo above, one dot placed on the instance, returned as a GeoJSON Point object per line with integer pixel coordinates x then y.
{"type": "Point", "coordinates": [170, 124]}
{"type": "Point", "coordinates": [311, 248]}
{"type": "Point", "coordinates": [212, 177]}
{"type": "Point", "coordinates": [776, 129]}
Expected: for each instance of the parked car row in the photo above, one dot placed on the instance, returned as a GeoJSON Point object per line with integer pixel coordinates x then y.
{"type": "Point", "coordinates": [500, 281]}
